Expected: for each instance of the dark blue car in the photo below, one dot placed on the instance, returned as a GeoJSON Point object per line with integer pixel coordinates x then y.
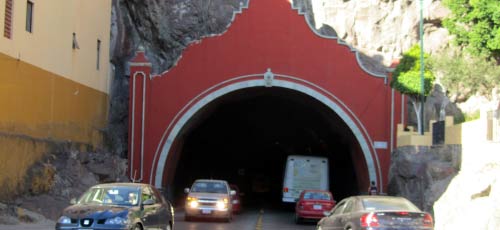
{"type": "Point", "coordinates": [118, 206]}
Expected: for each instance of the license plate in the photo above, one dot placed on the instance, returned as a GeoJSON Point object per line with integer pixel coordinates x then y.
{"type": "Point", "coordinates": [317, 207]}
{"type": "Point", "coordinates": [206, 211]}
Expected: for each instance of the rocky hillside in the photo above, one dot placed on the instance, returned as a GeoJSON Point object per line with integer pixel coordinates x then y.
{"type": "Point", "coordinates": [57, 178]}
{"type": "Point", "coordinates": [459, 184]}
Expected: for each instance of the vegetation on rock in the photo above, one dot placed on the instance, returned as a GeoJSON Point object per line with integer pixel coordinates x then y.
{"type": "Point", "coordinates": [465, 75]}
{"type": "Point", "coordinates": [476, 25]}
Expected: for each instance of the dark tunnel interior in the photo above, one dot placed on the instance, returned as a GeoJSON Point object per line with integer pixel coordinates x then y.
{"type": "Point", "coordinates": [244, 137]}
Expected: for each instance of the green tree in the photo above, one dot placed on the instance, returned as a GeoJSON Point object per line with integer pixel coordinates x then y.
{"type": "Point", "coordinates": [407, 80]}
{"type": "Point", "coordinates": [465, 75]}
{"type": "Point", "coordinates": [476, 25]}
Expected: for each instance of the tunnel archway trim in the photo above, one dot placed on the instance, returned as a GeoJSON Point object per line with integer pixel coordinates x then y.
{"type": "Point", "coordinates": [249, 81]}
{"type": "Point", "coordinates": [143, 113]}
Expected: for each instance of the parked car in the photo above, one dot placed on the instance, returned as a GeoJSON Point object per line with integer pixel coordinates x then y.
{"type": "Point", "coordinates": [376, 212]}
{"type": "Point", "coordinates": [209, 199]}
{"type": "Point", "coordinates": [118, 206]}
{"type": "Point", "coordinates": [312, 204]}
{"type": "Point", "coordinates": [236, 198]}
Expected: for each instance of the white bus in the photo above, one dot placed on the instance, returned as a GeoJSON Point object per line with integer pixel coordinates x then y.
{"type": "Point", "coordinates": [304, 172]}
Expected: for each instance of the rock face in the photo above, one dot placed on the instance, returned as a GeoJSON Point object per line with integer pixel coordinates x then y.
{"type": "Point", "coordinates": [74, 172]}
{"type": "Point", "coordinates": [460, 186]}
{"type": "Point", "coordinates": [472, 199]}
{"type": "Point", "coordinates": [421, 174]}
{"type": "Point", "coordinates": [381, 30]}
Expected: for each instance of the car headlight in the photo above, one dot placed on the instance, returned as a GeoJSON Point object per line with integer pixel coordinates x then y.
{"type": "Point", "coordinates": [64, 220]}
{"type": "Point", "coordinates": [117, 220]}
{"type": "Point", "coordinates": [192, 202]}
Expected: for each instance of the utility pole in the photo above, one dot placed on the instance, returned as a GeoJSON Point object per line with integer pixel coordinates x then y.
{"type": "Point", "coordinates": [422, 82]}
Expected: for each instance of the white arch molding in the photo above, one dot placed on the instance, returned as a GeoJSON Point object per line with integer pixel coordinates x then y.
{"type": "Point", "coordinates": [249, 81]}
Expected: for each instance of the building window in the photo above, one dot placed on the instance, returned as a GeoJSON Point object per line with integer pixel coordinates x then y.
{"type": "Point", "coordinates": [7, 26]}
{"type": "Point", "coordinates": [29, 16]}
{"type": "Point", "coordinates": [98, 53]}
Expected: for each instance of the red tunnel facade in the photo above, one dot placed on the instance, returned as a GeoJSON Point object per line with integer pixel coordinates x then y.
{"type": "Point", "coordinates": [268, 44]}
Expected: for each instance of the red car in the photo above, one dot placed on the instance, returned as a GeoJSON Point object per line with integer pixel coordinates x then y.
{"type": "Point", "coordinates": [236, 198]}
{"type": "Point", "coordinates": [312, 204]}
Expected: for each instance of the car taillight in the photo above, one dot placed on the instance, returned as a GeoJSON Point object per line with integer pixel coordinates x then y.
{"type": "Point", "coordinates": [369, 220]}
{"type": "Point", "coordinates": [285, 189]}
{"type": "Point", "coordinates": [428, 220]}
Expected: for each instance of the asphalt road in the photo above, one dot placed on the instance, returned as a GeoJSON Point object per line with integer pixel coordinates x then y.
{"type": "Point", "coordinates": [248, 220]}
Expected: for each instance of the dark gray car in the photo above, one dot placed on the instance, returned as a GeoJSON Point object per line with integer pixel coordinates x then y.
{"type": "Point", "coordinates": [375, 213]}
{"type": "Point", "coordinates": [118, 206]}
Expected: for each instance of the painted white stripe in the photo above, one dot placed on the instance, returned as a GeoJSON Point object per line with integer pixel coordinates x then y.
{"type": "Point", "coordinates": [392, 120]}
{"type": "Point", "coordinates": [403, 109]}
{"type": "Point", "coordinates": [132, 172]}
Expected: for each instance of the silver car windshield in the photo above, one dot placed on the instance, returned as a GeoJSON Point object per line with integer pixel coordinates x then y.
{"type": "Point", "coordinates": [128, 196]}
{"type": "Point", "coordinates": [209, 187]}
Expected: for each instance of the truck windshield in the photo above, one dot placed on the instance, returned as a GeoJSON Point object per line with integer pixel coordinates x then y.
{"type": "Point", "coordinates": [209, 187]}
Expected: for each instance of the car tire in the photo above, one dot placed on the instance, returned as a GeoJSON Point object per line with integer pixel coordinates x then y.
{"type": "Point", "coordinates": [228, 219]}
{"type": "Point", "coordinates": [298, 220]}
{"type": "Point", "coordinates": [137, 227]}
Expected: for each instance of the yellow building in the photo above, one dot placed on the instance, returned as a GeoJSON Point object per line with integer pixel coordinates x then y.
{"type": "Point", "coordinates": [54, 80]}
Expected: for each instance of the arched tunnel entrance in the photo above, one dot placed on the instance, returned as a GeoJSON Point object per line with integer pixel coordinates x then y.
{"type": "Point", "coordinates": [245, 136]}
{"type": "Point", "coordinates": [219, 114]}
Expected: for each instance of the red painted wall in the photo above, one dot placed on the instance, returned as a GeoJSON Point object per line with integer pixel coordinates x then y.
{"type": "Point", "coordinates": [269, 34]}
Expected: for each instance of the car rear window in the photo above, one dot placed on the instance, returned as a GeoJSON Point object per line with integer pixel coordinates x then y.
{"type": "Point", "coordinates": [316, 196]}
{"type": "Point", "coordinates": [386, 203]}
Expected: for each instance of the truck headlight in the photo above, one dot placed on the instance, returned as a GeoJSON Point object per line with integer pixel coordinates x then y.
{"type": "Point", "coordinates": [192, 202]}
{"type": "Point", "coordinates": [221, 205]}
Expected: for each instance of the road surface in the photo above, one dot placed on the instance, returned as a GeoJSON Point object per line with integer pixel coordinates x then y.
{"type": "Point", "coordinates": [248, 220]}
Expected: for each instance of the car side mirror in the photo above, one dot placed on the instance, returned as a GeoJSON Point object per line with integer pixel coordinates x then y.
{"type": "Point", "coordinates": [148, 202]}
{"type": "Point", "coordinates": [232, 192]}
{"type": "Point", "coordinates": [326, 213]}
{"type": "Point", "coordinates": [186, 190]}
{"type": "Point", "coordinates": [72, 201]}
